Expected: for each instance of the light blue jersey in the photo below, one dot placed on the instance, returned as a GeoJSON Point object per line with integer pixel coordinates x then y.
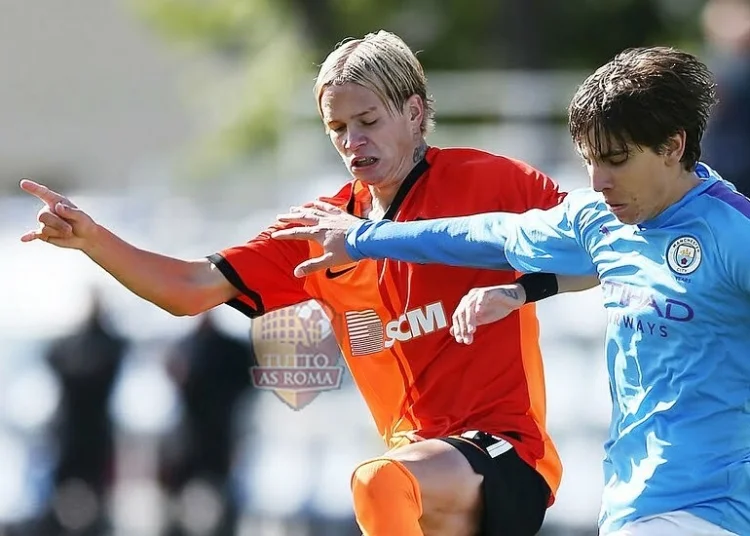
{"type": "Point", "coordinates": [677, 292]}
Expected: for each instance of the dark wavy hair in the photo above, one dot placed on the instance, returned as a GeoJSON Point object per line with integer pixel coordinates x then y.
{"type": "Point", "coordinates": [644, 96]}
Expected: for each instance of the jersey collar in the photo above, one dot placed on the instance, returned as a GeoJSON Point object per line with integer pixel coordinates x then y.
{"type": "Point", "coordinates": [708, 178]}
{"type": "Point", "coordinates": [360, 195]}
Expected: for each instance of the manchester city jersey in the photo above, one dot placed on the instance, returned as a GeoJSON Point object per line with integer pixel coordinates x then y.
{"type": "Point", "coordinates": [677, 292]}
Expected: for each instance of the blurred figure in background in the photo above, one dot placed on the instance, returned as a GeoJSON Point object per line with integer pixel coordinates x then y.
{"type": "Point", "coordinates": [726, 145]}
{"type": "Point", "coordinates": [211, 372]}
{"type": "Point", "coordinates": [86, 363]}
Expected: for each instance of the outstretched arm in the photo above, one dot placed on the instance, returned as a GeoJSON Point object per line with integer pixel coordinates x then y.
{"type": "Point", "coordinates": [534, 241]}
{"type": "Point", "coordinates": [254, 277]}
{"type": "Point", "coordinates": [472, 241]}
{"type": "Point", "coordinates": [475, 241]}
{"type": "Point", "coordinates": [180, 287]}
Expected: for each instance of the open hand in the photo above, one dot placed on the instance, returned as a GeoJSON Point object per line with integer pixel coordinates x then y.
{"type": "Point", "coordinates": [322, 223]}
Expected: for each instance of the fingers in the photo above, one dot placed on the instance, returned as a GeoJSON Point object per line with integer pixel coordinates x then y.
{"type": "Point", "coordinates": [40, 191]}
{"type": "Point", "coordinates": [311, 266]}
{"type": "Point", "coordinates": [306, 219]}
{"type": "Point", "coordinates": [31, 236]}
{"type": "Point", "coordinates": [470, 319]}
{"type": "Point", "coordinates": [322, 206]}
{"type": "Point", "coordinates": [309, 214]}
{"type": "Point", "coordinates": [53, 223]}
{"type": "Point", "coordinates": [69, 212]}
{"type": "Point", "coordinates": [463, 328]}
{"type": "Point", "coordinates": [45, 234]}
{"type": "Point", "coordinates": [296, 233]}
{"type": "Point", "coordinates": [458, 323]}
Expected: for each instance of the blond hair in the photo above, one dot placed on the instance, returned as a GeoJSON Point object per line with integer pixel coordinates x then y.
{"type": "Point", "coordinates": [382, 63]}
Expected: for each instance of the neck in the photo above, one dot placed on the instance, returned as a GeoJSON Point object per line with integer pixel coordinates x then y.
{"type": "Point", "coordinates": [384, 194]}
{"type": "Point", "coordinates": [684, 183]}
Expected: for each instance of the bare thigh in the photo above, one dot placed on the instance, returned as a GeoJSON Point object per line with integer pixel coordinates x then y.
{"type": "Point", "coordinates": [451, 490]}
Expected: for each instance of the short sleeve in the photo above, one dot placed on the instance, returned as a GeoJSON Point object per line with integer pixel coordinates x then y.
{"type": "Point", "coordinates": [263, 271]}
{"type": "Point", "coordinates": [730, 222]}
{"type": "Point", "coordinates": [736, 255]}
{"type": "Point", "coordinates": [539, 191]}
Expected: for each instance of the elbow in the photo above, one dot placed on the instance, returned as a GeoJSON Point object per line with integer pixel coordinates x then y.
{"type": "Point", "coordinates": [180, 309]}
{"type": "Point", "coordinates": [195, 295]}
{"type": "Point", "coordinates": [185, 305]}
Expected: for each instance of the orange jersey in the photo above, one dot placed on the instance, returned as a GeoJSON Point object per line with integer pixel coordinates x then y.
{"type": "Point", "coordinates": [392, 319]}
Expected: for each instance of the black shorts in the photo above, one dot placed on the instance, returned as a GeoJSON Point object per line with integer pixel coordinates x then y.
{"type": "Point", "coordinates": [515, 496]}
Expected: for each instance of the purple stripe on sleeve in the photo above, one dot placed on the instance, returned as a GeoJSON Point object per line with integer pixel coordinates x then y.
{"type": "Point", "coordinates": [735, 200]}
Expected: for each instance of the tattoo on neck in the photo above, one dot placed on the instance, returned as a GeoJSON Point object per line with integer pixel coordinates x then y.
{"type": "Point", "coordinates": [419, 152]}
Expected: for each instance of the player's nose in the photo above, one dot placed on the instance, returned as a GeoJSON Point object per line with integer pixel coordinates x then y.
{"type": "Point", "coordinates": [354, 139]}
{"type": "Point", "coordinates": [600, 179]}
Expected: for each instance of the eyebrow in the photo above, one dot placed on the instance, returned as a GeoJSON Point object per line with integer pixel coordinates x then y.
{"type": "Point", "coordinates": [370, 109]}
{"type": "Point", "coordinates": [613, 153]}
{"type": "Point", "coordinates": [356, 116]}
{"type": "Point", "coordinates": [604, 156]}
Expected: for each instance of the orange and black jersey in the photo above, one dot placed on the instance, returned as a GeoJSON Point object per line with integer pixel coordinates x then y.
{"type": "Point", "coordinates": [392, 318]}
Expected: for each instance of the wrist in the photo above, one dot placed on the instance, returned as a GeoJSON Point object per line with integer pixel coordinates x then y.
{"type": "Point", "coordinates": [518, 293]}
{"type": "Point", "coordinates": [538, 286]}
{"type": "Point", "coordinates": [92, 244]}
{"type": "Point", "coordinates": [352, 247]}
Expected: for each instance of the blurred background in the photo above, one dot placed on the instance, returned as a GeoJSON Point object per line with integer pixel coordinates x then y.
{"type": "Point", "coordinates": [185, 126]}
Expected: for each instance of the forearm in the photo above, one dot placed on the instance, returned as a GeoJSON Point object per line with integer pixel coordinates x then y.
{"type": "Point", "coordinates": [473, 241]}
{"type": "Point", "coordinates": [180, 287]}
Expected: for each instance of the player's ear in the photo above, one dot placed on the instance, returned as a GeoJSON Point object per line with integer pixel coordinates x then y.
{"type": "Point", "coordinates": [674, 147]}
{"type": "Point", "coordinates": [414, 110]}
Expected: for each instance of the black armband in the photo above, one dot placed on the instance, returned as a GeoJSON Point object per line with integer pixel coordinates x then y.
{"type": "Point", "coordinates": [538, 286]}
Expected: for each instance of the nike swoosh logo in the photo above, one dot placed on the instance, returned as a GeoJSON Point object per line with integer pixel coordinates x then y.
{"type": "Point", "coordinates": [330, 274]}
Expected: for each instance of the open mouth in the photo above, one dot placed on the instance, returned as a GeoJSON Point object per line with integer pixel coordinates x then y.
{"type": "Point", "coordinates": [615, 207]}
{"type": "Point", "coordinates": [363, 162]}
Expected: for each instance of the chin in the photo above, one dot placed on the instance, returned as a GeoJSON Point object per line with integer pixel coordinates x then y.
{"type": "Point", "coordinates": [371, 179]}
{"type": "Point", "coordinates": [627, 219]}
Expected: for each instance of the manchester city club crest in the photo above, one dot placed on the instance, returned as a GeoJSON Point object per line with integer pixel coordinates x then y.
{"type": "Point", "coordinates": [297, 354]}
{"type": "Point", "coordinates": [684, 255]}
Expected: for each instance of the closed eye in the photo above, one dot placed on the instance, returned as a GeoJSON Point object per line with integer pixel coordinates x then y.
{"type": "Point", "coordinates": [615, 162]}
